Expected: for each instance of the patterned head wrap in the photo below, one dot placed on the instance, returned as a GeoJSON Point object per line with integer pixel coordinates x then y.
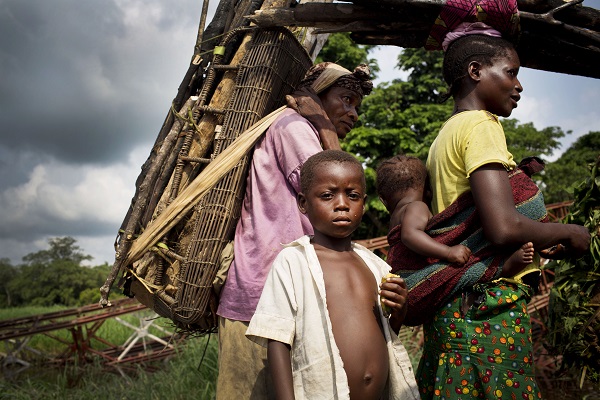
{"type": "Point", "coordinates": [466, 17]}
{"type": "Point", "coordinates": [327, 74]}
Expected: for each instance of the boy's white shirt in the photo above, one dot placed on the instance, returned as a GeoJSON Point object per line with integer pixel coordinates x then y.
{"type": "Point", "coordinates": [293, 307]}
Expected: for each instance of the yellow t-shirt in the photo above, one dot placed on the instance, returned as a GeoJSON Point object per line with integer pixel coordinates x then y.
{"type": "Point", "coordinates": [467, 141]}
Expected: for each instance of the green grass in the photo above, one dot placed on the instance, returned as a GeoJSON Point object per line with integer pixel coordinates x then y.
{"type": "Point", "coordinates": [186, 375]}
{"type": "Point", "coordinates": [19, 312]}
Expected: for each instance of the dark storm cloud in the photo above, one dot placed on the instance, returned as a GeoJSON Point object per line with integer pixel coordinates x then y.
{"type": "Point", "coordinates": [84, 89]}
{"type": "Point", "coordinates": [74, 84]}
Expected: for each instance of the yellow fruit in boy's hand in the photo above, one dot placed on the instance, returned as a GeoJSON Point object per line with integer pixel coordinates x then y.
{"type": "Point", "coordinates": [386, 309]}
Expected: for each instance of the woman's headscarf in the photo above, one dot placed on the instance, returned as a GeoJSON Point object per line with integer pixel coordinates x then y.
{"type": "Point", "coordinates": [327, 74]}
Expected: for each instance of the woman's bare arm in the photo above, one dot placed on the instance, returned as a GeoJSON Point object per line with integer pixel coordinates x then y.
{"type": "Point", "coordinates": [503, 225]}
{"type": "Point", "coordinates": [278, 356]}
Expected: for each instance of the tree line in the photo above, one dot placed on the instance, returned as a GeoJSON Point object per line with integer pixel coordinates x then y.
{"type": "Point", "coordinates": [55, 276]}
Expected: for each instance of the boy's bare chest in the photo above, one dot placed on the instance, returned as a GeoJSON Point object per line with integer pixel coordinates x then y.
{"type": "Point", "coordinates": [349, 277]}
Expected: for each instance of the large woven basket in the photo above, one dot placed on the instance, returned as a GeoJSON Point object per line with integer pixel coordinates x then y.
{"type": "Point", "coordinates": [273, 65]}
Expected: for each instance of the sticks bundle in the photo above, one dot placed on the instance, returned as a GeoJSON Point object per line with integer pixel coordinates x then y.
{"type": "Point", "coordinates": [187, 204]}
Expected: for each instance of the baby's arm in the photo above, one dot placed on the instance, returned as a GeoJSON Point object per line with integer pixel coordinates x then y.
{"type": "Point", "coordinates": [413, 234]}
{"type": "Point", "coordinates": [394, 294]}
{"type": "Point", "coordinates": [278, 355]}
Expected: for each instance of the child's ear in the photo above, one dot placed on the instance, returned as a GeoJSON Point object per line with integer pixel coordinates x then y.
{"type": "Point", "coordinates": [301, 200]}
{"type": "Point", "coordinates": [474, 70]}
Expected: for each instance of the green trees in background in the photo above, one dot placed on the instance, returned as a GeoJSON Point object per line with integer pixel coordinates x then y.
{"type": "Point", "coordinates": [525, 140]}
{"type": "Point", "coordinates": [7, 274]}
{"type": "Point", "coordinates": [50, 277]}
{"type": "Point", "coordinates": [341, 50]}
{"type": "Point", "coordinates": [562, 175]}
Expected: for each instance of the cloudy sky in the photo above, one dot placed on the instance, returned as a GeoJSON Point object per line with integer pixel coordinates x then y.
{"type": "Point", "coordinates": [85, 87]}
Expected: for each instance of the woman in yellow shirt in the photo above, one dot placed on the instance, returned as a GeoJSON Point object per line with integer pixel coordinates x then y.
{"type": "Point", "coordinates": [478, 345]}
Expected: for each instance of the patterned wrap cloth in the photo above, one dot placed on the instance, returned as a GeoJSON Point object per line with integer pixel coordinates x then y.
{"type": "Point", "coordinates": [433, 282]}
{"type": "Point", "coordinates": [460, 17]}
{"type": "Point", "coordinates": [483, 351]}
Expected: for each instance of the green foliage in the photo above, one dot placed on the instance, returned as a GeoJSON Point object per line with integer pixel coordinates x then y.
{"type": "Point", "coordinates": [53, 276]}
{"type": "Point", "coordinates": [572, 167]}
{"type": "Point", "coordinates": [7, 274]}
{"type": "Point", "coordinates": [524, 140]}
{"type": "Point", "coordinates": [425, 78]}
{"type": "Point", "coordinates": [342, 50]}
{"type": "Point", "coordinates": [61, 249]}
{"type": "Point", "coordinates": [574, 318]}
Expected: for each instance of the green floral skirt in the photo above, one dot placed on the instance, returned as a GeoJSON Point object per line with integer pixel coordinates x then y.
{"type": "Point", "coordinates": [481, 351]}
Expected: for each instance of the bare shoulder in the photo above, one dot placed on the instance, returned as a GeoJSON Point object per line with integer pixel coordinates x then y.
{"type": "Point", "coordinates": [419, 207]}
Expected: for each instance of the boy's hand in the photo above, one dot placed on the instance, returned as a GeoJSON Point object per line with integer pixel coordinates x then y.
{"type": "Point", "coordinates": [393, 292]}
{"type": "Point", "coordinates": [458, 254]}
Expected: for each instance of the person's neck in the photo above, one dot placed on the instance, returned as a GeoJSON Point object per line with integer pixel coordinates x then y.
{"type": "Point", "coordinates": [409, 196]}
{"type": "Point", "coordinates": [459, 110]}
{"type": "Point", "coordinates": [467, 103]}
{"type": "Point", "coordinates": [331, 243]}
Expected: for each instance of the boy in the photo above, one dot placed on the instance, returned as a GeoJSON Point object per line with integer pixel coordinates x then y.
{"type": "Point", "coordinates": [326, 104]}
{"type": "Point", "coordinates": [319, 314]}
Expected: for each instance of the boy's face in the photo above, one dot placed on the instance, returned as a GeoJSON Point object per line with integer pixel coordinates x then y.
{"type": "Point", "coordinates": [335, 202]}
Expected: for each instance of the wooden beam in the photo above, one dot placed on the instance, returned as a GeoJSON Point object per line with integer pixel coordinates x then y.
{"type": "Point", "coordinates": [556, 36]}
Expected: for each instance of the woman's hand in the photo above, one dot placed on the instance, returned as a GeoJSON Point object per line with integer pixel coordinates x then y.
{"type": "Point", "coordinates": [576, 246]}
{"type": "Point", "coordinates": [307, 103]}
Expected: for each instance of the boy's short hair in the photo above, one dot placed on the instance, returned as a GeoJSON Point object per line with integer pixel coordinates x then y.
{"type": "Point", "coordinates": [398, 174]}
{"type": "Point", "coordinates": [311, 166]}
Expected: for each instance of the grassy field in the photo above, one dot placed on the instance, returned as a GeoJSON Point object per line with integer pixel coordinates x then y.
{"type": "Point", "coordinates": [183, 376]}
{"type": "Point", "coordinates": [188, 374]}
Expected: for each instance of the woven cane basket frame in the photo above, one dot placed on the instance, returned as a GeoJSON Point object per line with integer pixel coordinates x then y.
{"type": "Point", "coordinates": [272, 67]}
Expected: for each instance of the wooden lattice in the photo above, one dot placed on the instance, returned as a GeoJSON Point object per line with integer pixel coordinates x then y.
{"type": "Point", "coordinates": [178, 283]}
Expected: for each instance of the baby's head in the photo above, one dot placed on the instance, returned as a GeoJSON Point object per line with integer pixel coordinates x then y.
{"type": "Point", "coordinates": [398, 174]}
{"type": "Point", "coordinates": [333, 191]}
